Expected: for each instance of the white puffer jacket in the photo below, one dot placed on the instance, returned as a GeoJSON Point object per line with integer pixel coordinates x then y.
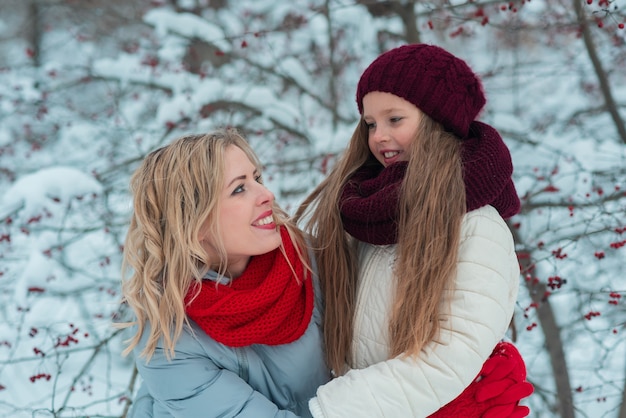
{"type": "Point", "coordinates": [478, 312]}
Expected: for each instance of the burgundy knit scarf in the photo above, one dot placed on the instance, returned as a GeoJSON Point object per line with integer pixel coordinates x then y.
{"type": "Point", "coordinates": [369, 203]}
{"type": "Point", "coordinates": [267, 304]}
{"type": "Point", "coordinates": [369, 200]}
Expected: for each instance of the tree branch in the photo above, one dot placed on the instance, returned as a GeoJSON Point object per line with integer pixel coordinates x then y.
{"type": "Point", "coordinates": [611, 105]}
{"type": "Point", "coordinates": [552, 333]}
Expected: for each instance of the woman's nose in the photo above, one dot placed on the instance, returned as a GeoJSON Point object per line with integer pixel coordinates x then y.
{"type": "Point", "coordinates": [265, 195]}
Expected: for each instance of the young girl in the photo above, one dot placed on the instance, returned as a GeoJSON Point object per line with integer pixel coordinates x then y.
{"type": "Point", "coordinates": [226, 322]}
{"type": "Point", "coordinates": [417, 266]}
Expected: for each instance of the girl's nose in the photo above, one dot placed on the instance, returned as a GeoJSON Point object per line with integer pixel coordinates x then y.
{"type": "Point", "coordinates": [380, 135]}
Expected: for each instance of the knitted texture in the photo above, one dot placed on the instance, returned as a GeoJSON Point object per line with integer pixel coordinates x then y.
{"type": "Point", "coordinates": [487, 170]}
{"type": "Point", "coordinates": [267, 304]}
{"type": "Point", "coordinates": [369, 203]}
{"type": "Point", "coordinates": [438, 83]}
{"type": "Point", "coordinates": [497, 390]}
{"type": "Point", "coordinates": [369, 199]}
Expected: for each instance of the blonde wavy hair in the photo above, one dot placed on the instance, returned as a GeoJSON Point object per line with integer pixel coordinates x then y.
{"type": "Point", "coordinates": [431, 208]}
{"type": "Point", "coordinates": [175, 195]}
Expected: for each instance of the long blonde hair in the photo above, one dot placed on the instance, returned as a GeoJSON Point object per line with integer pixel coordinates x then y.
{"type": "Point", "coordinates": [431, 208]}
{"type": "Point", "coordinates": [175, 193]}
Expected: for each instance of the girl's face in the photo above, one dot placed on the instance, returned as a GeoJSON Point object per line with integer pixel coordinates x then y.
{"type": "Point", "coordinates": [244, 213]}
{"type": "Point", "coordinates": [392, 124]}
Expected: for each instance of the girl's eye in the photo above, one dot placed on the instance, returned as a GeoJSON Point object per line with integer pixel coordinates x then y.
{"type": "Point", "coordinates": [370, 126]}
{"type": "Point", "coordinates": [395, 119]}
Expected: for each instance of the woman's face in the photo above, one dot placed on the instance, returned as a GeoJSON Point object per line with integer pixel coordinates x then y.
{"type": "Point", "coordinates": [244, 213]}
{"type": "Point", "coordinates": [392, 123]}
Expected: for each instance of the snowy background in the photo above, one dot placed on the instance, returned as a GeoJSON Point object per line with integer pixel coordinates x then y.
{"type": "Point", "coordinates": [87, 88]}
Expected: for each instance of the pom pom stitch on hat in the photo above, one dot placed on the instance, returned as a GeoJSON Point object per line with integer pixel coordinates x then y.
{"type": "Point", "coordinates": [438, 83]}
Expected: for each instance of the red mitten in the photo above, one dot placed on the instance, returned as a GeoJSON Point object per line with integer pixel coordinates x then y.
{"type": "Point", "coordinates": [497, 390]}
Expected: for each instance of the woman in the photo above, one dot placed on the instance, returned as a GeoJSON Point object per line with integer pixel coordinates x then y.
{"type": "Point", "coordinates": [417, 266]}
{"type": "Point", "coordinates": [223, 294]}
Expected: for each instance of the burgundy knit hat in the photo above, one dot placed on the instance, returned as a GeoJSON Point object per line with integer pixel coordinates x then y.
{"type": "Point", "coordinates": [438, 83]}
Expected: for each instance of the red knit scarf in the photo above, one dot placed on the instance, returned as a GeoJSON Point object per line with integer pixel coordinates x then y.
{"type": "Point", "coordinates": [369, 200]}
{"type": "Point", "coordinates": [267, 304]}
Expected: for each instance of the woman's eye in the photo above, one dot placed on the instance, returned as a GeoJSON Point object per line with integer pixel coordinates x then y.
{"type": "Point", "coordinates": [239, 189]}
{"type": "Point", "coordinates": [259, 179]}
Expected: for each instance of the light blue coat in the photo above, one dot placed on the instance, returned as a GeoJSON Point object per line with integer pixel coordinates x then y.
{"type": "Point", "coordinates": [208, 379]}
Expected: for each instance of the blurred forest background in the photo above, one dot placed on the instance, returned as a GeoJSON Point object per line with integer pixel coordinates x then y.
{"type": "Point", "coordinates": [88, 87]}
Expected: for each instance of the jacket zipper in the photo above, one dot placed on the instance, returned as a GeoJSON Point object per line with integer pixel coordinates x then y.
{"type": "Point", "coordinates": [242, 360]}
